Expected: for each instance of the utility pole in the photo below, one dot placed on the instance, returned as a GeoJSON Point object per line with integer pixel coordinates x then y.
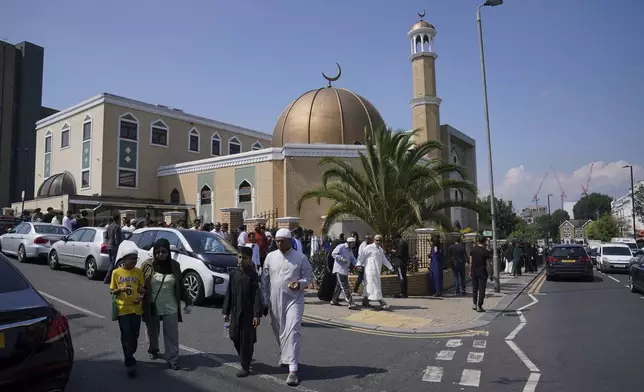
{"type": "Point", "coordinates": [632, 200]}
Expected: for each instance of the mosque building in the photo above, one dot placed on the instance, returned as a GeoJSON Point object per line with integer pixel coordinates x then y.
{"type": "Point", "coordinates": [110, 154]}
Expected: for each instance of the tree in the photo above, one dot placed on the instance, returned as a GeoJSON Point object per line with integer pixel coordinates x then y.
{"type": "Point", "coordinates": [527, 232]}
{"type": "Point", "coordinates": [506, 219]}
{"type": "Point", "coordinates": [592, 206]}
{"type": "Point", "coordinates": [549, 225]}
{"type": "Point", "coordinates": [393, 188]}
{"type": "Point", "coordinates": [603, 229]}
{"type": "Point", "coordinates": [639, 201]}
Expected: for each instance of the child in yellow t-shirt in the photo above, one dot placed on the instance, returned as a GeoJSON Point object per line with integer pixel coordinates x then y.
{"type": "Point", "coordinates": [127, 286]}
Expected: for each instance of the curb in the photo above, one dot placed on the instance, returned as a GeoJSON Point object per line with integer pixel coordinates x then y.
{"type": "Point", "coordinates": [479, 322]}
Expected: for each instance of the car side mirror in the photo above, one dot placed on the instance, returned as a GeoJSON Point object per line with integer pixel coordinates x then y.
{"type": "Point", "coordinates": [173, 248]}
{"type": "Point", "coordinates": [12, 230]}
{"type": "Point", "coordinates": [63, 238]}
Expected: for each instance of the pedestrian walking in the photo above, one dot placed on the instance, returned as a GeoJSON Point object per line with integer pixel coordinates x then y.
{"type": "Point", "coordinates": [436, 266]}
{"type": "Point", "coordinates": [368, 240]}
{"type": "Point", "coordinates": [507, 254]}
{"type": "Point", "coordinates": [343, 257]}
{"type": "Point", "coordinates": [127, 287]}
{"type": "Point", "coordinates": [480, 263]}
{"type": "Point", "coordinates": [458, 259]}
{"type": "Point", "coordinates": [372, 259]}
{"type": "Point", "coordinates": [243, 309]}
{"type": "Point", "coordinates": [401, 254]}
{"type": "Point", "coordinates": [252, 244]}
{"type": "Point", "coordinates": [285, 275]}
{"type": "Point", "coordinates": [516, 259]}
{"type": "Point", "coordinates": [165, 291]}
{"type": "Point", "coordinates": [113, 238]}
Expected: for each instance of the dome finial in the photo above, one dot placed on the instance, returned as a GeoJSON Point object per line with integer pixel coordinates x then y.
{"type": "Point", "coordinates": [333, 79]}
{"type": "Point", "coordinates": [421, 15]}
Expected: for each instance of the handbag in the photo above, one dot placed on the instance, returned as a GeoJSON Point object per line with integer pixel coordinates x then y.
{"type": "Point", "coordinates": [115, 308]}
{"type": "Point", "coordinates": [153, 306]}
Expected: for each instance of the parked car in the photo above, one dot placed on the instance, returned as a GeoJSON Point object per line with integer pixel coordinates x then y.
{"type": "Point", "coordinates": [31, 240]}
{"type": "Point", "coordinates": [613, 256]}
{"type": "Point", "coordinates": [84, 248]}
{"type": "Point", "coordinates": [205, 258]}
{"type": "Point", "coordinates": [36, 350]}
{"type": "Point", "coordinates": [569, 260]}
{"type": "Point", "coordinates": [636, 274]}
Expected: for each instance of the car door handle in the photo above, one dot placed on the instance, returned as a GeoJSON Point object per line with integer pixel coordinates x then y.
{"type": "Point", "coordinates": [87, 246]}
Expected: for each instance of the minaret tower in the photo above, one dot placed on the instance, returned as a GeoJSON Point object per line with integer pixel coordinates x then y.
{"type": "Point", "coordinates": [425, 104]}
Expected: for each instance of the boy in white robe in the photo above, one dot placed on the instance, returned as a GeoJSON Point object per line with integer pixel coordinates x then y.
{"type": "Point", "coordinates": [285, 275]}
{"type": "Point", "coordinates": [372, 259]}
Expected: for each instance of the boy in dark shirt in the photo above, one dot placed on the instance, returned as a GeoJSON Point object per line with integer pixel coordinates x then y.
{"type": "Point", "coordinates": [243, 308]}
{"type": "Point", "coordinates": [479, 260]}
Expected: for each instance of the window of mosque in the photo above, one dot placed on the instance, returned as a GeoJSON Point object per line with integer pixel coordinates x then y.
{"type": "Point", "coordinates": [193, 140]}
{"type": "Point", "coordinates": [215, 145]}
{"type": "Point", "coordinates": [127, 178]}
{"type": "Point", "coordinates": [257, 146]}
{"type": "Point", "coordinates": [85, 179]}
{"type": "Point", "coordinates": [87, 130]}
{"type": "Point", "coordinates": [64, 138]}
{"type": "Point", "coordinates": [48, 143]}
{"type": "Point", "coordinates": [159, 134]}
{"type": "Point", "coordinates": [175, 197]}
{"type": "Point", "coordinates": [129, 129]}
{"type": "Point", "coordinates": [245, 192]}
{"type": "Point", "coordinates": [205, 195]}
{"type": "Point", "coordinates": [234, 146]}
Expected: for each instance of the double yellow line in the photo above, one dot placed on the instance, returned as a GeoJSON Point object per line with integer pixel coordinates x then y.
{"type": "Point", "coordinates": [535, 286]}
{"type": "Point", "coordinates": [438, 335]}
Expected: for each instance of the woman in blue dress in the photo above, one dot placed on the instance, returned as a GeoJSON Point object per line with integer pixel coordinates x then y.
{"type": "Point", "coordinates": [436, 266]}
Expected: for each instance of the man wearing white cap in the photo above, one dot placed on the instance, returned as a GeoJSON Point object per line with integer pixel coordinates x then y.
{"type": "Point", "coordinates": [285, 275]}
{"type": "Point", "coordinates": [343, 256]}
{"type": "Point", "coordinates": [372, 259]}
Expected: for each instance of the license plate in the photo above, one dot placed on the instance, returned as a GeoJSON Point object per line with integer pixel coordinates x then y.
{"type": "Point", "coordinates": [1, 340]}
{"type": "Point", "coordinates": [567, 261]}
{"type": "Point", "coordinates": [619, 266]}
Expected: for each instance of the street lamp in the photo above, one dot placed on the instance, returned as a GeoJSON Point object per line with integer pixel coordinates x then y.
{"type": "Point", "coordinates": [632, 200]}
{"type": "Point", "coordinates": [495, 253]}
{"type": "Point", "coordinates": [24, 178]}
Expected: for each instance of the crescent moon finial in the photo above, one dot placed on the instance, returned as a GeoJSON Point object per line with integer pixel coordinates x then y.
{"type": "Point", "coordinates": [421, 14]}
{"type": "Point", "coordinates": [336, 77]}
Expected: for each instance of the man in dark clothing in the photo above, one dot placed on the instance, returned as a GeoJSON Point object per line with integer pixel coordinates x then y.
{"type": "Point", "coordinates": [49, 215]}
{"type": "Point", "coordinates": [458, 258]}
{"type": "Point", "coordinates": [479, 260]}
{"type": "Point", "coordinates": [113, 238]}
{"type": "Point", "coordinates": [401, 253]}
{"type": "Point", "coordinates": [82, 221]}
{"type": "Point", "coordinates": [243, 308]}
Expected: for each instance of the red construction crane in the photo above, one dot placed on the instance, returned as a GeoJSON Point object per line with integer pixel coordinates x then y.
{"type": "Point", "coordinates": [584, 189]}
{"type": "Point", "coordinates": [563, 193]}
{"type": "Point", "coordinates": [535, 199]}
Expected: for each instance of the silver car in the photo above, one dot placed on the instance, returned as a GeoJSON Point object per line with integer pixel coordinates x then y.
{"type": "Point", "coordinates": [31, 240]}
{"type": "Point", "coordinates": [84, 248]}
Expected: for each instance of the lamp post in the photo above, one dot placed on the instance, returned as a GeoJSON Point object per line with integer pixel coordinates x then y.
{"type": "Point", "coordinates": [632, 200]}
{"type": "Point", "coordinates": [495, 253]}
{"type": "Point", "coordinates": [24, 181]}
{"type": "Point", "coordinates": [549, 215]}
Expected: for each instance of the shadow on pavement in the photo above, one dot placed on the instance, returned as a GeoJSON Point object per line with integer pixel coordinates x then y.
{"type": "Point", "coordinates": [307, 324]}
{"type": "Point", "coordinates": [310, 372]}
{"type": "Point", "coordinates": [403, 307]}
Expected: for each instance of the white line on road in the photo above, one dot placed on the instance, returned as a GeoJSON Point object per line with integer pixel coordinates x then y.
{"type": "Point", "coordinates": [433, 374]}
{"type": "Point", "coordinates": [524, 358]}
{"type": "Point", "coordinates": [515, 331]}
{"type": "Point", "coordinates": [479, 343]}
{"type": "Point", "coordinates": [474, 357]}
{"type": "Point", "coordinates": [627, 286]}
{"type": "Point", "coordinates": [521, 316]}
{"type": "Point", "coordinates": [454, 343]}
{"type": "Point", "coordinates": [73, 306]}
{"type": "Point", "coordinates": [534, 301]}
{"type": "Point", "coordinates": [470, 378]}
{"type": "Point", "coordinates": [614, 279]}
{"type": "Point", "coordinates": [533, 380]}
{"type": "Point", "coordinates": [445, 355]}
{"type": "Point", "coordinates": [641, 297]}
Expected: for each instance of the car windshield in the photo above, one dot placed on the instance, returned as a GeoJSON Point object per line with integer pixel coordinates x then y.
{"type": "Point", "coordinates": [632, 245]}
{"type": "Point", "coordinates": [10, 280]}
{"type": "Point", "coordinates": [51, 229]}
{"type": "Point", "coordinates": [568, 251]}
{"type": "Point", "coordinates": [616, 251]}
{"type": "Point", "coordinates": [206, 242]}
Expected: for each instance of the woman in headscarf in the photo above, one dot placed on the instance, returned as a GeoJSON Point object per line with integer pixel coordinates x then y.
{"type": "Point", "coordinates": [162, 302]}
{"type": "Point", "coordinates": [436, 266]}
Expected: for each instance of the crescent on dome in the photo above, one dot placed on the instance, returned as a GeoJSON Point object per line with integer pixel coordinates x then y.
{"type": "Point", "coordinates": [336, 77]}
{"type": "Point", "coordinates": [421, 14]}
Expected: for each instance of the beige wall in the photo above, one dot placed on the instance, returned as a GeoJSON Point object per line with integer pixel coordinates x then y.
{"type": "Point", "coordinates": [69, 158]}
{"type": "Point", "coordinates": [186, 184]}
{"type": "Point", "coordinates": [264, 177]}
{"type": "Point", "coordinates": [58, 203]}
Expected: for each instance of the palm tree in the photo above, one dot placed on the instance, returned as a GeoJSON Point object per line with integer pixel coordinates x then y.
{"type": "Point", "coordinates": [394, 187]}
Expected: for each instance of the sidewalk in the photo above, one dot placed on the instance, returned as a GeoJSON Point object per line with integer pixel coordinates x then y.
{"type": "Point", "coordinates": [421, 315]}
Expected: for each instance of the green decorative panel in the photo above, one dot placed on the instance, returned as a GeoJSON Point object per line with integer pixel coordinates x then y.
{"type": "Point", "coordinates": [244, 195]}
{"type": "Point", "coordinates": [47, 170]}
{"type": "Point", "coordinates": [87, 152]}
{"type": "Point", "coordinates": [127, 154]}
{"type": "Point", "coordinates": [245, 173]}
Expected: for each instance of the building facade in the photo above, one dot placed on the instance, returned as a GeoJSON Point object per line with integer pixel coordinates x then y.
{"type": "Point", "coordinates": [529, 214]}
{"type": "Point", "coordinates": [622, 209]}
{"type": "Point", "coordinates": [573, 231]}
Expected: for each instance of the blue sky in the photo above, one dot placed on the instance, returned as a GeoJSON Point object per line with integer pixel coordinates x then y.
{"type": "Point", "coordinates": [565, 77]}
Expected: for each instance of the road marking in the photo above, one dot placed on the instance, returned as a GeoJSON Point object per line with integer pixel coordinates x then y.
{"type": "Point", "coordinates": [470, 378]}
{"type": "Point", "coordinates": [445, 355]}
{"type": "Point", "coordinates": [73, 306]}
{"type": "Point", "coordinates": [454, 343]}
{"type": "Point", "coordinates": [515, 331]}
{"type": "Point", "coordinates": [534, 301]}
{"type": "Point", "coordinates": [535, 287]}
{"type": "Point", "coordinates": [235, 365]}
{"type": "Point", "coordinates": [521, 316]}
{"type": "Point", "coordinates": [614, 279]}
{"type": "Point", "coordinates": [479, 343]}
{"type": "Point", "coordinates": [524, 358]}
{"type": "Point", "coordinates": [627, 286]}
{"type": "Point", "coordinates": [433, 374]}
{"type": "Point", "coordinates": [474, 357]}
{"type": "Point", "coordinates": [641, 297]}
{"type": "Point", "coordinates": [533, 380]}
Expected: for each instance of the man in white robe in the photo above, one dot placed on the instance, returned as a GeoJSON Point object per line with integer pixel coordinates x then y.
{"type": "Point", "coordinates": [372, 259]}
{"type": "Point", "coordinates": [285, 275]}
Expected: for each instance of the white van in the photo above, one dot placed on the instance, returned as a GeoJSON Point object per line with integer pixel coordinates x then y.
{"type": "Point", "coordinates": [614, 256]}
{"type": "Point", "coordinates": [626, 240]}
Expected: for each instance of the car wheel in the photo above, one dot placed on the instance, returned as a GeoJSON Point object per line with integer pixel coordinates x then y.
{"type": "Point", "coordinates": [91, 269]}
{"type": "Point", "coordinates": [194, 286]}
{"type": "Point", "coordinates": [630, 284]}
{"type": "Point", "coordinates": [22, 254]}
{"type": "Point", "coordinates": [53, 260]}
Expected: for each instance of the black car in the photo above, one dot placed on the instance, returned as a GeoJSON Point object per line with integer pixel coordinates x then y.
{"type": "Point", "coordinates": [636, 274]}
{"type": "Point", "coordinates": [36, 351]}
{"type": "Point", "coordinates": [569, 260]}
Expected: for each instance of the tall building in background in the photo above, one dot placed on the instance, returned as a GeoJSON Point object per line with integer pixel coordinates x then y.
{"type": "Point", "coordinates": [21, 75]}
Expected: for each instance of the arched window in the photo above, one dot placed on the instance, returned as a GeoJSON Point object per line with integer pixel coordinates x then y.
{"type": "Point", "coordinates": [245, 192]}
{"type": "Point", "coordinates": [64, 136]}
{"type": "Point", "coordinates": [48, 142]}
{"type": "Point", "coordinates": [257, 146]}
{"type": "Point", "coordinates": [234, 146]}
{"type": "Point", "coordinates": [159, 133]}
{"type": "Point", "coordinates": [47, 165]}
{"type": "Point", "coordinates": [128, 127]}
{"type": "Point", "coordinates": [127, 152]}
{"type": "Point", "coordinates": [175, 196]}
{"type": "Point", "coordinates": [87, 128]}
{"type": "Point", "coordinates": [205, 195]}
{"type": "Point", "coordinates": [215, 145]}
{"type": "Point", "coordinates": [193, 140]}
{"type": "Point", "coordinates": [86, 160]}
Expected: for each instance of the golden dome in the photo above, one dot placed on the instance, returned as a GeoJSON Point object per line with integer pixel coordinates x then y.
{"type": "Point", "coordinates": [422, 24]}
{"type": "Point", "coordinates": [326, 115]}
